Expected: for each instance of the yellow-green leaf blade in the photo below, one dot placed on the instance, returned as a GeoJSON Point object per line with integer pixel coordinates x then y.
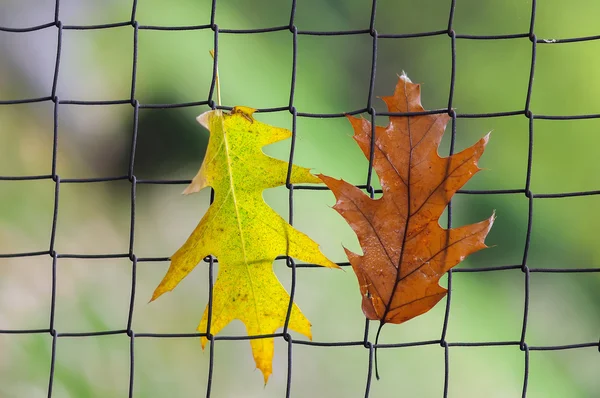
{"type": "Point", "coordinates": [243, 232]}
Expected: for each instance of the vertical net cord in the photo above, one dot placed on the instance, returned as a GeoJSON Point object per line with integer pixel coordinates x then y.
{"type": "Point", "coordinates": [452, 114]}
{"type": "Point", "coordinates": [289, 260]}
{"type": "Point", "coordinates": [133, 181]}
{"type": "Point", "coordinates": [524, 268]}
{"type": "Point", "coordinates": [369, 188]}
{"type": "Point", "coordinates": [56, 180]}
{"type": "Point", "coordinates": [211, 260]}
{"type": "Point", "coordinates": [291, 27]}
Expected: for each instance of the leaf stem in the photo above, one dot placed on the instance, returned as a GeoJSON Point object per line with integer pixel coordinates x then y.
{"type": "Point", "coordinates": [217, 82]}
{"type": "Point", "coordinates": [377, 341]}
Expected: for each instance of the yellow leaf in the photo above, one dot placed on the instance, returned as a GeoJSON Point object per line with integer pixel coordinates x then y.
{"type": "Point", "coordinates": [244, 233]}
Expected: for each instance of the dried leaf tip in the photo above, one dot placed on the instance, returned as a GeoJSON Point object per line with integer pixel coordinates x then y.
{"type": "Point", "coordinates": [203, 119]}
{"type": "Point", "coordinates": [405, 77]}
{"type": "Point", "coordinates": [493, 218]}
{"type": "Point", "coordinates": [486, 138]}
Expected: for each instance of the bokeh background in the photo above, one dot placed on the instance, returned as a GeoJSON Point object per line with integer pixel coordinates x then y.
{"type": "Point", "coordinates": [332, 76]}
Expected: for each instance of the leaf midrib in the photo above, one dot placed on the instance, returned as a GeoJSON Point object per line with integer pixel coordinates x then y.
{"type": "Point", "coordinates": [408, 215]}
{"type": "Point", "coordinates": [238, 218]}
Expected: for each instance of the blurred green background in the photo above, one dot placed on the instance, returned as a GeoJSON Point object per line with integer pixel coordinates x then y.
{"type": "Point", "coordinates": [332, 76]}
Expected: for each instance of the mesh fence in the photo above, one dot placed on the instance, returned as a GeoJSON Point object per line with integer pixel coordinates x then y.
{"type": "Point", "coordinates": [368, 342]}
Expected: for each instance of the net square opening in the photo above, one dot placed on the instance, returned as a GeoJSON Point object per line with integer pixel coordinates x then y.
{"type": "Point", "coordinates": [79, 284]}
{"type": "Point", "coordinates": [25, 364]}
{"type": "Point", "coordinates": [94, 141]}
{"type": "Point", "coordinates": [179, 14]}
{"type": "Point", "coordinates": [346, 368]}
{"type": "Point", "coordinates": [265, 79]}
{"type": "Point", "coordinates": [27, 64]}
{"type": "Point", "coordinates": [175, 367]}
{"type": "Point", "coordinates": [96, 65]}
{"type": "Point", "coordinates": [566, 79]}
{"type": "Point", "coordinates": [94, 218]}
{"type": "Point", "coordinates": [486, 371]}
{"type": "Point", "coordinates": [25, 292]}
{"type": "Point", "coordinates": [93, 366]}
{"type": "Point", "coordinates": [557, 19]}
{"type": "Point", "coordinates": [241, 15]}
{"type": "Point", "coordinates": [562, 303]}
{"type": "Point", "coordinates": [90, 12]}
{"type": "Point", "coordinates": [491, 76]}
{"type": "Point", "coordinates": [472, 17]}
{"type": "Point", "coordinates": [333, 73]}
{"type": "Point", "coordinates": [564, 155]}
{"type": "Point", "coordinates": [486, 306]}
{"type": "Point", "coordinates": [315, 15]}
{"type": "Point", "coordinates": [174, 67]}
{"type": "Point", "coordinates": [28, 152]}
{"type": "Point", "coordinates": [564, 373]}
{"type": "Point", "coordinates": [564, 234]}
{"type": "Point", "coordinates": [395, 17]}
{"type": "Point", "coordinates": [416, 371]}
{"type": "Point", "coordinates": [27, 208]}
{"type": "Point", "coordinates": [18, 14]}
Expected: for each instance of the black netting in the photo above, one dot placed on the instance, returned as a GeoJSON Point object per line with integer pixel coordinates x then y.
{"type": "Point", "coordinates": [295, 32]}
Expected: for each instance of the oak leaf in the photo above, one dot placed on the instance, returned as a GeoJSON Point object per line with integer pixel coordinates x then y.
{"type": "Point", "coordinates": [244, 233]}
{"type": "Point", "coordinates": [405, 250]}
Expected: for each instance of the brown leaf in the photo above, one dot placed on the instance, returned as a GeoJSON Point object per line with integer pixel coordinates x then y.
{"type": "Point", "coordinates": [405, 251]}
